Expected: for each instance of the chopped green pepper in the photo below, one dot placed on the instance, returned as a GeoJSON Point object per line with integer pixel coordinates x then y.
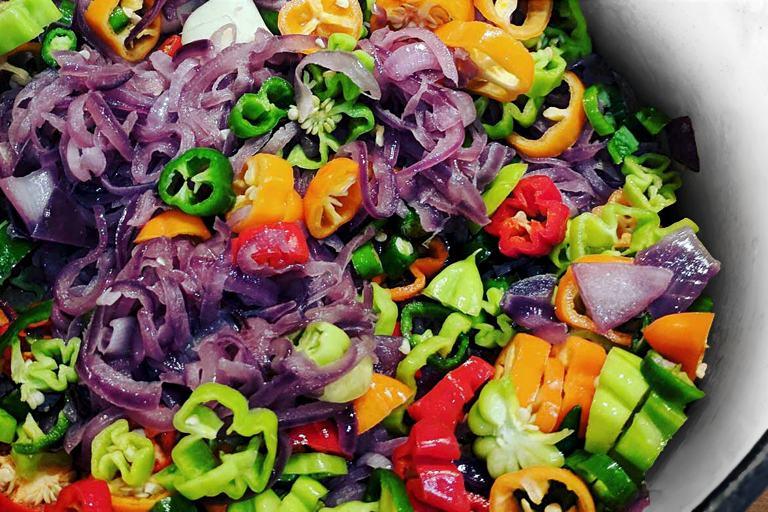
{"type": "Point", "coordinates": [386, 309]}
{"type": "Point", "coordinates": [256, 114]}
{"type": "Point", "coordinates": [597, 104]}
{"type": "Point", "coordinates": [620, 388]}
{"type": "Point", "coordinates": [366, 261]}
{"type": "Point", "coordinates": [31, 438]}
{"type": "Point", "coordinates": [386, 488]}
{"type": "Point", "coordinates": [57, 40]}
{"type": "Point", "coordinates": [455, 327]}
{"type": "Point", "coordinates": [199, 182]}
{"type": "Point", "coordinates": [571, 421]}
{"type": "Point", "coordinates": [605, 476]}
{"type": "Point", "coordinates": [174, 503]}
{"type": "Point", "coordinates": [67, 9]}
{"type": "Point", "coordinates": [397, 255]}
{"type": "Point", "coordinates": [650, 431]}
{"type": "Point", "coordinates": [622, 144]}
{"type": "Point", "coordinates": [118, 450]}
{"type": "Point", "coordinates": [51, 368]}
{"type": "Point", "coordinates": [502, 185]}
{"type": "Point", "coordinates": [704, 304]}
{"type": "Point", "coordinates": [315, 465]}
{"type": "Point", "coordinates": [668, 379]}
{"type": "Point", "coordinates": [549, 68]}
{"type": "Point", "coordinates": [510, 113]}
{"type": "Point", "coordinates": [648, 183]}
{"type": "Point", "coordinates": [12, 251]}
{"type": "Point", "coordinates": [506, 438]}
{"type": "Point", "coordinates": [570, 33]}
{"type": "Point", "coordinates": [410, 226]}
{"type": "Point", "coordinates": [458, 286]}
{"type": "Point", "coordinates": [119, 20]}
{"type": "Point", "coordinates": [270, 20]}
{"type": "Point", "coordinates": [7, 427]}
{"type": "Point", "coordinates": [23, 20]}
{"type": "Point", "coordinates": [652, 119]}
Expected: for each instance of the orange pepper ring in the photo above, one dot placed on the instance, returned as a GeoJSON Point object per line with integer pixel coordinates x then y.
{"type": "Point", "coordinates": [97, 18]}
{"type": "Point", "coordinates": [568, 292]}
{"type": "Point", "coordinates": [502, 499]}
{"type": "Point", "coordinates": [536, 19]}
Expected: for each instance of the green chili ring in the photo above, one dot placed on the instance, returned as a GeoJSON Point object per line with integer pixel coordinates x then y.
{"type": "Point", "coordinates": [461, 353]}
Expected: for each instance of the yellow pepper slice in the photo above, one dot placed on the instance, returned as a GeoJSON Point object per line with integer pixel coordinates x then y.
{"type": "Point", "coordinates": [500, 12]}
{"type": "Point", "coordinates": [265, 194]}
{"type": "Point", "coordinates": [333, 197]}
{"type": "Point", "coordinates": [321, 17]}
{"type": "Point", "coordinates": [564, 133]}
{"type": "Point", "coordinates": [429, 14]}
{"type": "Point", "coordinates": [535, 482]}
{"type": "Point", "coordinates": [171, 224]}
{"type": "Point", "coordinates": [505, 67]}
{"type": "Point", "coordinates": [97, 18]}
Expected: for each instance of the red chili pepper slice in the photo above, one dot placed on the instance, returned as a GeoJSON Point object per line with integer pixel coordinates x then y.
{"type": "Point", "coordinates": [88, 495]}
{"type": "Point", "coordinates": [439, 485]}
{"type": "Point", "coordinates": [532, 221]}
{"type": "Point", "coordinates": [321, 436]}
{"type": "Point", "coordinates": [8, 505]}
{"type": "Point", "coordinates": [478, 503]}
{"type": "Point", "coordinates": [449, 396]}
{"type": "Point", "coordinates": [172, 45]}
{"type": "Point", "coordinates": [276, 245]}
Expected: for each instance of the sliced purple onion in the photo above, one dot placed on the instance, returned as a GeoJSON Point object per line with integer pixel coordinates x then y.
{"type": "Point", "coordinates": [529, 304]}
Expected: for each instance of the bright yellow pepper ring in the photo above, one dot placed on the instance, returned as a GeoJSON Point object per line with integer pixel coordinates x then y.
{"type": "Point", "coordinates": [537, 479]}
{"type": "Point", "coordinates": [499, 13]}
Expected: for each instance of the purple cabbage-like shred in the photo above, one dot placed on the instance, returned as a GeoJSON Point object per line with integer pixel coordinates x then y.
{"type": "Point", "coordinates": [692, 267]}
{"type": "Point", "coordinates": [529, 304]}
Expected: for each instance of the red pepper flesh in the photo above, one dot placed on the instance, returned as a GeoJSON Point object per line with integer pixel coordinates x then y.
{"type": "Point", "coordinates": [321, 436]}
{"type": "Point", "coordinates": [172, 45]}
{"type": "Point", "coordinates": [88, 495]}
{"type": "Point", "coordinates": [532, 220]}
{"type": "Point", "coordinates": [275, 245]}
{"type": "Point", "coordinates": [439, 485]}
{"type": "Point", "coordinates": [449, 396]}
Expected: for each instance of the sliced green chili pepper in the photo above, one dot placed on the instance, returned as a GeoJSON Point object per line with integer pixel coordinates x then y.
{"type": "Point", "coordinates": [668, 380]}
{"type": "Point", "coordinates": [572, 36]}
{"type": "Point", "coordinates": [622, 144]}
{"type": "Point", "coordinates": [57, 40]}
{"type": "Point", "coordinates": [418, 356]}
{"type": "Point", "coordinates": [431, 311]}
{"type": "Point", "coordinates": [175, 503]}
{"type": "Point", "coordinates": [386, 488]}
{"type": "Point", "coordinates": [386, 309]}
{"type": "Point", "coordinates": [397, 255]}
{"type": "Point", "coordinates": [650, 431]}
{"type": "Point", "coordinates": [648, 183]}
{"type": "Point", "coordinates": [199, 182]}
{"type": "Point", "coordinates": [652, 119]}
{"type": "Point", "coordinates": [67, 9]}
{"type": "Point", "coordinates": [571, 421]}
{"type": "Point", "coordinates": [12, 251]}
{"type": "Point", "coordinates": [119, 20]}
{"type": "Point", "coordinates": [270, 20]}
{"type": "Point", "coordinates": [605, 476]}
{"type": "Point", "coordinates": [704, 304]}
{"type": "Point", "coordinates": [23, 20]}
{"type": "Point", "coordinates": [355, 506]}
{"type": "Point", "coordinates": [458, 286]}
{"type": "Point", "coordinates": [549, 68]}
{"type": "Point", "coordinates": [323, 343]}
{"type": "Point", "coordinates": [341, 42]}
{"type": "Point", "coordinates": [51, 368]}
{"type": "Point", "coordinates": [502, 185]}
{"type": "Point", "coordinates": [315, 465]}
{"type": "Point", "coordinates": [366, 261]}
{"type": "Point", "coordinates": [410, 226]}
{"type": "Point", "coordinates": [510, 113]}
{"type": "Point", "coordinates": [305, 496]}
{"type": "Point", "coordinates": [31, 439]}
{"type": "Point", "coordinates": [35, 314]}
{"type": "Point", "coordinates": [8, 426]}
{"type": "Point", "coordinates": [118, 450]}
{"type": "Point", "coordinates": [620, 388]}
{"type": "Point", "coordinates": [256, 114]}
{"type": "Point", "coordinates": [597, 104]}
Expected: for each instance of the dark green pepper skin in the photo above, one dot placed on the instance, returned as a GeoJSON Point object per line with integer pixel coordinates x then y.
{"type": "Point", "coordinates": [668, 380]}
{"type": "Point", "coordinates": [397, 255]}
{"type": "Point", "coordinates": [386, 488]}
{"type": "Point", "coordinates": [460, 354]}
{"type": "Point", "coordinates": [571, 443]}
{"type": "Point", "coordinates": [410, 226]}
{"type": "Point", "coordinates": [175, 503]}
{"type": "Point", "coordinates": [611, 485]}
{"type": "Point", "coordinates": [49, 439]}
{"type": "Point", "coordinates": [56, 40]}
{"type": "Point", "coordinates": [366, 261]}
{"type": "Point", "coordinates": [257, 114]}
{"type": "Point", "coordinates": [199, 182]}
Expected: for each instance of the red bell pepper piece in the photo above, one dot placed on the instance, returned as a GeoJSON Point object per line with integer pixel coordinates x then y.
{"type": "Point", "coordinates": [276, 245]}
{"type": "Point", "coordinates": [172, 45]}
{"type": "Point", "coordinates": [321, 436]}
{"type": "Point", "coordinates": [8, 505]}
{"type": "Point", "coordinates": [532, 220]}
{"type": "Point", "coordinates": [478, 503]}
{"type": "Point", "coordinates": [449, 396]}
{"type": "Point", "coordinates": [439, 485]}
{"type": "Point", "coordinates": [88, 495]}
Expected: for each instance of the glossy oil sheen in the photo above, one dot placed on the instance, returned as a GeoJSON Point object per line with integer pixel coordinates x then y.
{"type": "Point", "coordinates": [707, 58]}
